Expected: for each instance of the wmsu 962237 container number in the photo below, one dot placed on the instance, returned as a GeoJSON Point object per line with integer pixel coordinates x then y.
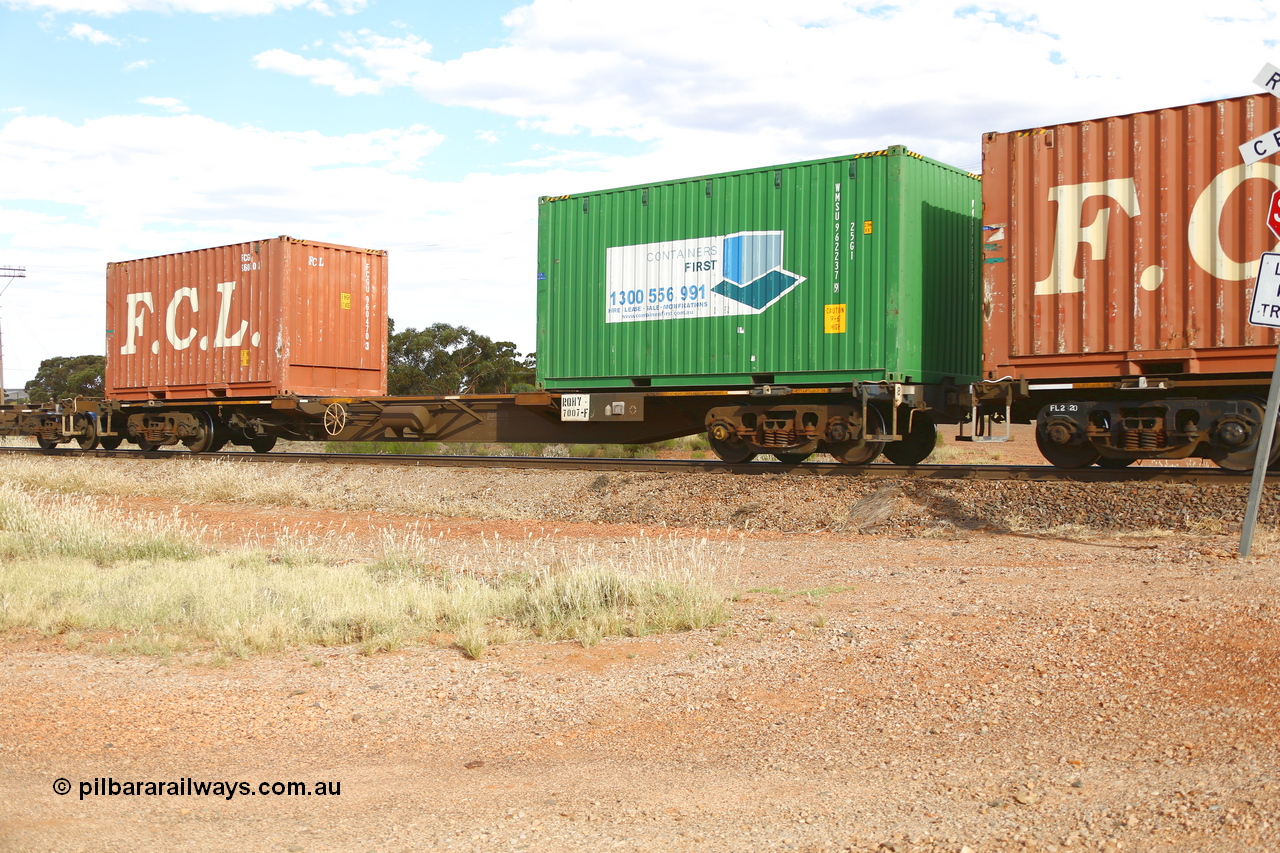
{"type": "Point", "coordinates": [657, 295]}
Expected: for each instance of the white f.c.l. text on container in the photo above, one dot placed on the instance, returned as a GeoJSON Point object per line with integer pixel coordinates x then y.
{"type": "Point", "coordinates": [184, 303]}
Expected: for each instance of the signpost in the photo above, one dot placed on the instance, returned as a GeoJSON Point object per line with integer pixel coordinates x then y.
{"type": "Point", "coordinates": [1265, 311]}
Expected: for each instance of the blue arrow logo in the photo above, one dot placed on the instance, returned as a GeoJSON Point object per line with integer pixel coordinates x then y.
{"type": "Point", "coordinates": [752, 269]}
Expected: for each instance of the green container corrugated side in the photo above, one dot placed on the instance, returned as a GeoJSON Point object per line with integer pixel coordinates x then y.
{"type": "Point", "coordinates": [889, 238]}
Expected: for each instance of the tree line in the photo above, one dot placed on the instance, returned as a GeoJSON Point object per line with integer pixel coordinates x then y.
{"type": "Point", "coordinates": [434, 360]}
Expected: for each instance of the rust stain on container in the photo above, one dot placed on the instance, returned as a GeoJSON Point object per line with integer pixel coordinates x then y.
{"type": "Point", "coordinates": [262, 318]}
{"type": "Point", "coordinates": [1127, 245]}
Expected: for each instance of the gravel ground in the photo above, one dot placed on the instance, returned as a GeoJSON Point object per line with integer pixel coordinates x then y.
{"type": "Point", "coordinates": [922, 667]}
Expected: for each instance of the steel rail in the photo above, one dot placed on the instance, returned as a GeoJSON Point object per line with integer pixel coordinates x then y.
{"type": "Point", "coordinates": [1036, 473]}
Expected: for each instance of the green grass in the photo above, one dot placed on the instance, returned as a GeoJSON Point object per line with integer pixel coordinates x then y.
{"type": "Point", "coordinates": [67, 568]}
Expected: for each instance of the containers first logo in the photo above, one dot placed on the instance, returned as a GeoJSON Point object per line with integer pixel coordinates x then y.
{"type": "Point", "coordinates": [180, 318]}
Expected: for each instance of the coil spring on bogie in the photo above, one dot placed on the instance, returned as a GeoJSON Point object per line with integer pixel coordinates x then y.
{"type": "Point", "coordinates": [777, 438]}
{"type": "Point", "coordinates": [1144, 439]}
{"type": "Point", "coordinates": [778, 433]}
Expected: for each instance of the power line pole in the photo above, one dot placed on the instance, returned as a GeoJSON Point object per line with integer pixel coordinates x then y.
{"type": "Point", "coordinates": [10, 273]}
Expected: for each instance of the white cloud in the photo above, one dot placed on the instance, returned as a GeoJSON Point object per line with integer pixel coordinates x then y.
{"type": "Point", "coordinates": [139, 65]}
{"type": "Point", "coordinates": [203, 7]}
{"type": "Point", "coordinates": [148, 170]}
{"type": "Point", "coordinates": [134, 186]}
{"type": "Point", "coordinates": [814, 77]}
{"type": "Point", "coordinates": [84, 32]}
{"type": "Point", "coordinates": [388, 61]}
{"type": "Point", "coordinates": [324, 72]}
{"type": "Point", "coordinates": [347, 7]}
{"type": "Point", "coordinates": [486, 136]}
{"type": "Point", "coordinates": [172, 105]}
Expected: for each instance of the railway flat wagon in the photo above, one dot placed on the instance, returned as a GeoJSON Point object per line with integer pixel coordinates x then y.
{"type": "Point", "coordinates": [848, 286]}
{"type": "Point", "coordinates": [231, 344]}
{"type": "Point", "coordinates": [1120, 256]}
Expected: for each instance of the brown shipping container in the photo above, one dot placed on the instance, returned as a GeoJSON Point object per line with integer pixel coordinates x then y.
{"type": "Point", "coordinates": [262, 318]}
{"type": "Point", "coordinates": [1127, 246]}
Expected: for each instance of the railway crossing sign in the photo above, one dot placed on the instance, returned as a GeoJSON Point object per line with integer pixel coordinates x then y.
{"type": "Point", "coordinates": [1269, 79]}
{"type": "Point", "coordinates": [1265, 310]}
{"type": "Point", "coordinates": [1269, 142]}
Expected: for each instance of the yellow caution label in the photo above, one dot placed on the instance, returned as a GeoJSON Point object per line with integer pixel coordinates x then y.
{"type": "Point", "coordinates": [833, 319]}
{"type": "Point", "coordinates": [244, 358]}
{"type": "Point", "coordinates": [866, 227]}
{"type": "Point", "coordinates": [346, 301]}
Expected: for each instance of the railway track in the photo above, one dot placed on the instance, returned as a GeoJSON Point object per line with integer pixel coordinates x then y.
{"type": "Point", "coordinates": [1043, 473]}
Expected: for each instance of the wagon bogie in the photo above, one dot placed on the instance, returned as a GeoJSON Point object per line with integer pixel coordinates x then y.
{"type": "Point", "coordinates": [1114, 433]}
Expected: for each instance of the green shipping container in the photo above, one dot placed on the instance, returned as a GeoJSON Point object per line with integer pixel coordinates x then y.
{"type": "Point", "coordinates": [860, 268]}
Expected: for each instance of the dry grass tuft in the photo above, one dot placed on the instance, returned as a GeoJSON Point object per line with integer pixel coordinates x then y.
{"type": "Point", "coordinates": [212, 480]}
{"type": "Point", "coordinates": [67, 569]}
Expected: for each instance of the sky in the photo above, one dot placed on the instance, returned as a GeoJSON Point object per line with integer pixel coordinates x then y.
{"type": "Point", "coordinates": [132, 128]}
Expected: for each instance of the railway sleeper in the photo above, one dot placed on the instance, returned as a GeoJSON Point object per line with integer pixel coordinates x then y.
{"type": "Point", "coordinates": [1076, 434]}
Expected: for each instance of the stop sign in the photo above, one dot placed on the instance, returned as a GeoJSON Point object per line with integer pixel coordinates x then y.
{"type": "Point", "coordinates": [1273, 214]}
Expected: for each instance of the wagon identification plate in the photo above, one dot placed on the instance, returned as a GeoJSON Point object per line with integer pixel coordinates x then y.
{"type": "Point", "coordinates": [1265, 310]}
{"type": "Point", "coordinates": [575, 407]}
{"type": "Point", "coordinates": [721, 276]}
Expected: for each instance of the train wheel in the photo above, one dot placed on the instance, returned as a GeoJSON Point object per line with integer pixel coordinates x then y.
{"type": "Point", "coordinates": [1115, 461]}
{"type": "Point", "coordinates": [861, 452]}
{"type": "Point", "coordinates": [88, 439]}
{"type": "Point", "coordinates": [1243, 458]}
{"type": "Point", "coordinates": [144, 445]}
{"type": "Point", "coordinates": [916, 445]}
{"type": "Point", "coordinates": [732, 452]}
{"type": "Point", "coordinates": [110, 442]}
{"type": "Point", "coordinates": [46, 443]}
{"type": "Point", "coordinates": [202, 441]}
{"type": "Point", "coordinates": [263, 444]}
{"type": "Point", "coordinates": [792, 458]}
{"type": "Point", "coordinates": [1066, 455]}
